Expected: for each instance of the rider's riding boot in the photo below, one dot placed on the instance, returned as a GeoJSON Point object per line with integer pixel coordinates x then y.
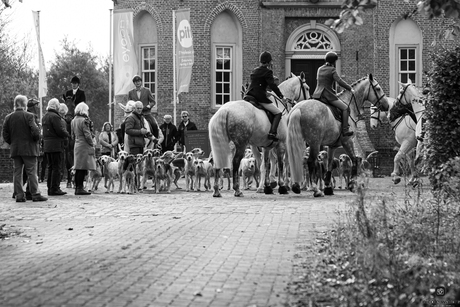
{"type": "Point", "coordinates": [345, 127]}
{"type": "Point", "coordinates": [274, 127]}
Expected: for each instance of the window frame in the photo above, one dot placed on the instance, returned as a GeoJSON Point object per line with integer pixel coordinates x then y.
{"type": "Point", "coordinates": [232, 48]}
{"type": "Point", "coordinates": [416, 71]}
{"type": "Point", "coordinates": [142, 71]}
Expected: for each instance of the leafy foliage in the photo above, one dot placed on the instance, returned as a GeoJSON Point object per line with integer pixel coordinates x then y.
{"type": "Point", "coordinates": [443, 115]}
{"type": "Point", "coordinates": [71, 61]}
{"type": "Point", "coordinates": [352, 11]}
{"type": "Point", "coordinates": [383, 252]}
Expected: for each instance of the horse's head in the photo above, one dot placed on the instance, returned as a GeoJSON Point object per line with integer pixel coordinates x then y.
{"type": "Point", "coordinates": [378, 116]}
{"type": "Point", "coordinates": [295, 89]}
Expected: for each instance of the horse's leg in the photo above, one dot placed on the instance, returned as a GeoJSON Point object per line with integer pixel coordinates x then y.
{"type": "Point", "coordinates": [329, 188]}
{"type": "Point", "coordinates": [216, 183]}
{"type": "Point", "coordinates": [273, 159]}
{"type": "Point", "coordinates": [399, 157]}
{"type": "Point", "coordinates": [239, 154]}
{"type": "Point", "coordinates": [263, 170]}
{"type": "Point", "coordinates": [280, 151]}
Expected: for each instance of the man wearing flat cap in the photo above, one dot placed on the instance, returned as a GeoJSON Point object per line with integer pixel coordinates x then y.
{"type": "Point", "coordinates": [169, 131]}
{"type": "Point", "coordinates": [75, 94]}
{"type": "Point", "coordinates": [141, 93]}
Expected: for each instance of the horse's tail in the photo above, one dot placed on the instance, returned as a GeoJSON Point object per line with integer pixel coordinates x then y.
{"type": "Point", "coordinates": [295, 145]}
{"type": "Point", "coordinates": [218, 137]}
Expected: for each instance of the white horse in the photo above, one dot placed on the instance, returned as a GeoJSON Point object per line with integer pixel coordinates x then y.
{"type": "Point", "coordinates": [244, 124]}
{"type": "Point", "coordinates": [404, 115]}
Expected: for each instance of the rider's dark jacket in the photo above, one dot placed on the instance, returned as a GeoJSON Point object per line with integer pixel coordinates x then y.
{"type": "Point", "coordinates": [261, 77]}
{"type": "Point", "coordinates": [325, 78]}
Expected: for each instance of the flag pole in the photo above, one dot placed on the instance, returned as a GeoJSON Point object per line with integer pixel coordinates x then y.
{"type": "Point", "coordinates": [39, 70]}
{"type": "Point", "coordinates": [174, 65]}
{"type": "Point", "coordinates": [110, 70]}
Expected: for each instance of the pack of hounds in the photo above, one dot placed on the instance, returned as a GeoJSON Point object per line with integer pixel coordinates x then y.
{"type": "Point", "coordinates": [134, 172]}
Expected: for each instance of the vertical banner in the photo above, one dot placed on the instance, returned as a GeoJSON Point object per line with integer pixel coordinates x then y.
{"type": "Point", "coordinates": [184, 52]}
{"type": "Point", "coordinates": [42, 84]}
{"type": "Point", "coordinates": [124, 56]}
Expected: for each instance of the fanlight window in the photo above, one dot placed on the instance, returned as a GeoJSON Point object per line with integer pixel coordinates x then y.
{"type": "Point", "coordinates": [313, 40]}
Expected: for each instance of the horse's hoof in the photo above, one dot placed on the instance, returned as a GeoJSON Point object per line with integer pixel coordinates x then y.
{"type": "Point", "coordinates": [238, 194]}
{"type": "Point", "coordinates": [268, 189]}
{"type": "Point", "coordinates": [318, 194]}
{"type": "Point", "coordinates": [273, 184]}
{"type": "Point", "coordinates": [259, 191]}
{"type": "Point", "coordinates": [283, 190]}
{"type": "Point", "coordinates": [296, 188]}
{"type": "Point", "coordinates": [396, 180]}
{"type": "Point", "coordinates": [328, 191]}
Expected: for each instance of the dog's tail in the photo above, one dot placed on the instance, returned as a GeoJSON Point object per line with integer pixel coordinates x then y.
{"type": "Point", "coordinates": [371, 154]}
{"type": "Point", "coordinates": [219, 139]}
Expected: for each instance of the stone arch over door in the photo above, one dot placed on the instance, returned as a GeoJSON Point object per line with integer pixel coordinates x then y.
{"type": "Point", "coordinates": [306, 47]}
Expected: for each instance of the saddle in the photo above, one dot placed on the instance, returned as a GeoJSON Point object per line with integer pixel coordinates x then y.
{"type": "Point", "coordinates": [252, 100]}
{"type": "Point", "coordinates": [335, 111]}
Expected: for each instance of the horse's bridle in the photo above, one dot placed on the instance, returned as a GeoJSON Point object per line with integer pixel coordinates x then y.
{"type": "Point", "coordinates": [292, 102]}
{"type": "Point", "coordinates": [376, 105]}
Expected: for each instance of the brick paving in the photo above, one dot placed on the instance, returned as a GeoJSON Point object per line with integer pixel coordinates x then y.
{"type": "Point", "coordinates": [178, 249]}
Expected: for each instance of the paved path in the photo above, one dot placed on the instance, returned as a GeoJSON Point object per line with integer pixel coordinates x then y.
{"type": "Point", "coordinates": [179, 249]}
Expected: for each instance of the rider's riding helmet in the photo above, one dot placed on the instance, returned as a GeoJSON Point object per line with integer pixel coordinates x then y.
{"type": "Point", "coordinates": [75, 79]}
{"type": "Point", "coordinates": [136, 78]}
{"type": "Point", "coordinates": [265, 57]}
{"type": "Point", "coordinates": [331, 57]}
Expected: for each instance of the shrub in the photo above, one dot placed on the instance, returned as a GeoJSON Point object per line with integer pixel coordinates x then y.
{"type": "Point", "coordinates": [442, 113]}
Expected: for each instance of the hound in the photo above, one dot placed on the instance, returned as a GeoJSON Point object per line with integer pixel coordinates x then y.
{"type": "Point", "coordinates": [129, 174]}
{"type": "Point", "coordinates": [162, 173]}
{"type": "Point", "coordinates": [345, 165]}
{"type": "Point", "coordinates": [248, 169]}
{"type": "Point", "coordinates": [148, 167]}
{"type": "Point", "coordinates": [203, 168]}
{"type": "Point", "coordinates": [122, 155]}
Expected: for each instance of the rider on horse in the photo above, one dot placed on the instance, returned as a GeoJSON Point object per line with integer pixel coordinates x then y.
{"type": "Point", "coordinates": [261, 77]}
{"type": "Point", "coordinates": [326, 76]}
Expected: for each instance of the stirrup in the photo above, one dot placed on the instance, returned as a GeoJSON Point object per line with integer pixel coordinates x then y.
{"type": "Point", "coordinates": [272, 136]}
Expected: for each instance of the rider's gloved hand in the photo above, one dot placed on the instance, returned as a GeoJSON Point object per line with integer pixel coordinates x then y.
{"type": "Point", "coordinates": [352, 91]}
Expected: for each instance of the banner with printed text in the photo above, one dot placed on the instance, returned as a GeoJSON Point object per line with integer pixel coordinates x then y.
{"type": "Point", "coordinates": [184, 50]}
{"type": "Point", "coordinates": [124, 55]}
{"type": "Point", "coordinates": [42, 83]}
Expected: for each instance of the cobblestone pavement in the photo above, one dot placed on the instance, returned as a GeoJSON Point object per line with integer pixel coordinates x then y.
{"type": "Point", "coordinates": [178, 249]}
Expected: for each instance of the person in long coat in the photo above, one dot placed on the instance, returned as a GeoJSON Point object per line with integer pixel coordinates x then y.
{"type": "Point", "coordinates": [84, 151]}
{"type": "Point", "coordinates": [54, 136]}
{"type": "Point", "coordinates": [21, 132]}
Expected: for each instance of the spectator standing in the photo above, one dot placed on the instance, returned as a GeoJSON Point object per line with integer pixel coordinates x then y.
{"type": "Point", "coordinates": [136, 131]}
{"type": "Point", "coordinates": [185, 125]}
{"type": "Point", "coordinates": [54, 137]}
{"type": "Point", "coordinates": [76, 94]}
{"type": "Point", "coordinates": [169, 131]}
{"type": "Point", "coordinates": [84, 151]}
{"type": "Point", "coordinates": [158, 136]}
{"type": "Point", "coordinates": [21, 132]}
{"type": "Point", "coordinates": [108, 140]}
{"type": "Point", "coordinates": [63, 109]}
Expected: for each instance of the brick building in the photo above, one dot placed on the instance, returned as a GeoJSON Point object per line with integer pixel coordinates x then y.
{"type": "Point", "coordinates": [392, 44]}
{"type": "Point", "coordinates": [228, 36]}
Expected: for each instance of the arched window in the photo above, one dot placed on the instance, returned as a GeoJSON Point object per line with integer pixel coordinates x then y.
{"type": "Point", "coordinates": [406, 44]}
{"type": "Point", "coordinates": [226, 58]}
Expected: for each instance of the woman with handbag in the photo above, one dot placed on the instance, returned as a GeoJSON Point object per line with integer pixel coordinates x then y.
{"type": "Point", "coordinates": [84, 152]}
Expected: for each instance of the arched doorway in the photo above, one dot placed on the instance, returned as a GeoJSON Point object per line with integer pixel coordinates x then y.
{"type": "Point", "coordinates": [305, 50]}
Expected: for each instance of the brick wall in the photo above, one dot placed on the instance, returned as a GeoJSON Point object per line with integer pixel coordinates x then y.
{"type": "Point", "coordinates": [6, 166]}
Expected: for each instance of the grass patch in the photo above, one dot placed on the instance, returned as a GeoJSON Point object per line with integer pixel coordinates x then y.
{"type": "Point", "coordinates": [384, 251]}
